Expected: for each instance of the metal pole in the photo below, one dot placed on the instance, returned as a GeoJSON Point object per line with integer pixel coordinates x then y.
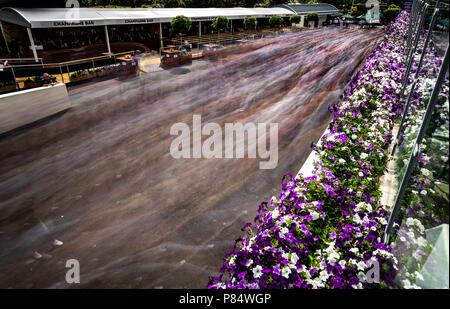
{"type": "Point", "coordinates": [405, 111]}
{"type": "Point", "coordinates": [413, 51]}
{"type": "Point", "coordinates": [427, 40]}
{"type": "Point", "coordinates": [160, 39]}
{"type": "Point", "coordinates": [415, 24]}
{"type": "Point", "coordinates": [419, 29]}
{"type": "Point", "coordinates": [33, 47]}
{"type": "Point", "coordinates": [416, 148]}
{"type": "Point", "coordinates": [199, 34]}
{"type": "Point", "coordinates": [411, 14]}
{"type": "Point", "coordinates": [62, 75]}
{"type": "Point", "coordinates": [68, 72]}
{"type": "Point", "coordinates": [414, 19]}
{"type": "Point", "coordinates": [411, 21]}
{"type": "Point", "coordinates": [14, 75]}
{"type": "Point", "coordinates": [107, 39]}
{"type": "Point", "coordinates": [412, 31]}
{"type": "Point", "coordinates": [93, 68]}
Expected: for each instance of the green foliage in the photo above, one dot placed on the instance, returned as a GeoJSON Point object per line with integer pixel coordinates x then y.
{"type": "Point", "coordinates": [247, 3]}
{"type": "Point", "coordinates": [275, 21]}
{"type": "Point", "coordinates": [353, 11]}
{"type": "Point", "coordinates": [313, 16]}
{"type": "Point", "coordinates": [250, 23]}
{"type": "Point", "coordinates": [181, 24]}
{"type": "Point", "coordinates": [295, 19]}
{"type": "Point", "coordinates": [220, 23]}
{"type": "Point", "coordinates": [33, 79]}
{"type": "Point", "coordinates": [269, 3]}
{"type": "Point", "coordinates": [391, 12]}
{"type": "Point", "coordinates": [173, 3]}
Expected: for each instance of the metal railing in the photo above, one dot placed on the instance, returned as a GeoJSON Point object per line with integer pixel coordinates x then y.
{"type": "Point", "coordinates": [19, 60]}
{"type": "Point", "coordinates": [24, 71]}
{"type": "Point", "coordinates": [416, 23]}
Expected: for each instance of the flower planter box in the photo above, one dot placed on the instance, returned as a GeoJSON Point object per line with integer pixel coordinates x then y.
{"type": "Point", "coordinates": [176, 61]}
{"type": "Point", "coordinates": [105, 72]}
{"type": "Point", "coordinates": [32, 84]}
{"type": "Point", "coordinates": [128, 69]}
{"type": "Point", "coordinates": [7, 88]}
{"type": "Point", "coordinates": [82, 77]}
{"type": "Point", "coordinates": [316, 233]}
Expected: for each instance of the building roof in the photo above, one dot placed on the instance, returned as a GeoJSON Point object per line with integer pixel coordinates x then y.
{"type": "Point", "coordinates": [322, 9]}
{"type": "Point", "coordinates": [78, 17]}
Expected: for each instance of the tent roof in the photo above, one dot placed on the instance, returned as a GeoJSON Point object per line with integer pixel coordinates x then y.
{"type": "Point", "coordinates": [68, 17]}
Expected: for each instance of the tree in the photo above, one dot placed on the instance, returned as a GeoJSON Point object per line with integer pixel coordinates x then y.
{"type": "Point", "coordinates": [250, 22]}
{"type": "Point", "coordinates": [269, 3]}
{"type": "Point", "coordinates": [353, 11]}
{"type": "Point", "coordinates": [220, 23]}
{"type": "Point", "coordinates": [173, 3]}
{"type": "Point", "coordinates": [313, 16]}
{"type": "Point", "coordinates": [391, 12]}
{"type": "Point", "coordinates": [295, 19]}
{"type": "Point", "coordinates": [275, 21]}
{"type": "Point", "coordinates": [340, 4]}
{"type": "Point", "coordinates": [247, 3]}
{"type": "Point", "coordinates": [181, 24]}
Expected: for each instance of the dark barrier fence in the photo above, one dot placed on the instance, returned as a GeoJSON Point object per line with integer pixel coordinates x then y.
{"type": "Point", "coordinates": [27, 68]}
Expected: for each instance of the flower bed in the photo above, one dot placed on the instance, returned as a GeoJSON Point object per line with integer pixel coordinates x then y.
{"type": "Point", "coordinates": [325, 231]}
{"type": "Point", "coordinates": [106, 70]}
{"type": "Point", "coordinates": [32, 82]}
{"type": "Point", "coordinates": [6, 86]}
{"type": "Point", "coordinates": [82, 75]}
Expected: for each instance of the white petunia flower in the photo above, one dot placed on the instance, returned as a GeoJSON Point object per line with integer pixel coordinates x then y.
{"type": "Point", "coordinates": [257, 271]}
{"type": "Point", "coordinates": [286, 272]}
{"type": "Point", "coordinates": [294, 258]}
{"type": "Point", "coordinates": [275, 214]}
{"type": "Point", "coordinates": [361, 276]}
{"type": "Point", "coordinates": [323, 276]}
{"type": "Point", "coordinates": [361, 265]}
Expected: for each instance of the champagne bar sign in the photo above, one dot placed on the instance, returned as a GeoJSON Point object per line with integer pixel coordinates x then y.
{"type": "Point", "coordinates": [76, 23]}
{"type": "Point", "coordinates": [95, 22]}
